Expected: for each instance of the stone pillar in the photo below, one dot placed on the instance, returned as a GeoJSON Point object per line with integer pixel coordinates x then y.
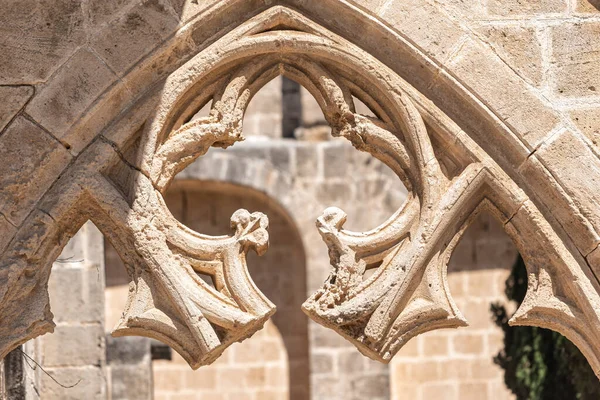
{"type": "Point", "coordinates": [129, 364]}
{"type": "Point", "coordinates": [74, 355]}
{"type": "Point", "coordinates": [291, 107]}
{"type": "Point", "coordinates": [17, 377]}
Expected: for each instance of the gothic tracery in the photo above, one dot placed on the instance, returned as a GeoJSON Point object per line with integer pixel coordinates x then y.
{"type": "Point", "coordinates": [449, 177]}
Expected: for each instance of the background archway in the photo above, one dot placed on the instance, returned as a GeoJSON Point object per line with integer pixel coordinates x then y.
{"type": "Point", "coordinates": [273, 363]}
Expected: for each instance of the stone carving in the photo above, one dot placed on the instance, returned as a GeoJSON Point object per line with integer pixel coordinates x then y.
{"type": "Point", "coordinates": [118, 179]}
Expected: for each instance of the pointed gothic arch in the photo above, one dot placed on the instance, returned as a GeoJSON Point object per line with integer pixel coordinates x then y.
{"type": "Point", "coordinates": [451, 171]}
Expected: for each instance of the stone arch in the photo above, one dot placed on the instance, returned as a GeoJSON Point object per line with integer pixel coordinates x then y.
{"type": "Point", "coordinates": [524, 187]}
{"type": "Point", "coordinates": [205, 206]}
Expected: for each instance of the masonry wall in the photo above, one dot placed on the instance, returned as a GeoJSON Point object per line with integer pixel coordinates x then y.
{"type": "Point", "coordinates": [74, 354]}
{"type": "Point", "coordinates": [552, 47]}
{"type": "Point", "coordinates": [458, 364]}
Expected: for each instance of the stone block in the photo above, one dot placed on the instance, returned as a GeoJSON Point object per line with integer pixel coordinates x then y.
{"type": "Point", "coordinates": [481, 283]}
{"type": "Point", "coordinates": [444, 391]}
{"type": "Point", "coordinates": [587, 6]}
{"type": "Point", "coordinates": [484, 368]}
{"type": "Point", "coordinates": [256, 377]}
{"type": "Point", "coordinates": [276, 374]}
{"type": "Point", "coordinates": [311, 112]}
{"type": "Point", "coordinates": [169, 380]}
{"type": "Point", "coordinates": [202, 379]}
{"type": "Point", "coordinates": [132, 35]}
{"type": "Point", "coordinates": [519, 47]}
{"type": "Point", "coordinates": [411, 349]}
{"type": "Point", "coordinates": [74, 345]}
{"type": "Point", "coordinates": [457, 282]}
{"type": "Point", "coordinates": [322, 363]}
{"type": "Point", "coordinates": [307, 163]}
{"type": "Point", "coordinates": [425, 371]}
{"type": "Point", "coordinates": [350, 362]}
{"type": "Point", "coordinates": [511, 8]}
{"type": "Point", "coordinates": [469, 9]}
{"type": "Point", "coordinates": [404, 390]}
{"type": "Point", "coordinates": [37, 38]}
{"type": "Point", "coordinates": [330, 193]}
{"type": "Point", "coordinates": [334, 160]}
{"type": "Point", "coordinates": [322, 337]}
{"type": "Point", "coordinates": [188, 9]}
{"type": "Point", "coordinates": [127, 350]}
{"type": "Point", "coordinates": [454, 369]}
{"type": "Point", "coordinates": [593, 259]}
{"type": "Point", "coordinates": [563, 208]}
{"type": "Point", "coordinates": [576, 59]}
{"type": "Point", "coordinates": [504, 92]}
{"type": "Point", "coordinates": [36, 160]}
{"type": "Point", "coordinates": [89, 383]}
{"type": "Point", "coordinates": [588, 120]}
{"type": "Point", "coordinates": [477, 313]}
{"type": "Point", "coordinates": [280, 157]}
{"type": "Point", "coordinates": [74, 87]}
{"type": "Point", "coordinates": [472, 391]}
{"type": "Point", "coordinates": [131, 382]}
{"type": "Point", "coordinates": [557, 154]}
{"type": "Point", "coordinates": [326, 387]}
{"type": "Point", "coordinates": [370, 387]}
{"type": "Point", "coordinates": [435, 345]}
{"type": "Point", "coordinates": [76, 293]}
{"type": "Point", "coordinates": [233, 378]}
{"type": "Point", "coordinates": [99, 13]}
{"type": "Point", "coordinates": [13, 99]}
{"type": "Point", "coordinates": [425, 24]}
{"type": "Point", "coordinates": [468, 344]}
{"type": "Point", "coordinates": [267, 100]}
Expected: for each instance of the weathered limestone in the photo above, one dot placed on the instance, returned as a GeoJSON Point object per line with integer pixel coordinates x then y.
{"type": "Point", "coordinates": [36, 159]}
{"type": "Point", "coordinates": [462, 129]}
{"type": "Point", "coordinates": [129, 366]}
{"type": "Point", "coordinates": [519, 47]}
{"type": "Point", "coordinates": [76, 85]}
{"type": "Point", "coordinates": [75, 353]}
{"type": "Point", "coordinates": [588, 120]}
{"type": "Point", "coordinates": [127, 38]}
{"type": "Point", "coordinates": [577, 56]}
{"type": "Point", "coordinates": [13, 100]}
{"type": "Point", "coordinates": [38, 38]}
{"type": "Point", "coordinates": [518, 7]}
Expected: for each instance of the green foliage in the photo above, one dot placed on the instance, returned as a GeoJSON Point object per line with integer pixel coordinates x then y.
{"type": "Point", "coordinates": [540, 364]}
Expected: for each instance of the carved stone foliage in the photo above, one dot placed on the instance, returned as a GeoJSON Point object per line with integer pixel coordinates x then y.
{"type": "Point", "coordinates": [118, 181]}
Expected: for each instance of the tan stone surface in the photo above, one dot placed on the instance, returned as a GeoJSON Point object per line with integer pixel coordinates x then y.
{"type": "Point", "coordinates": [37, 38]}
{"type": "Point", "coordinates": [76, 85]}
{"type": "Point", "coordinates": [558, 150]}
{"type": "Point", "coordinates": [449, 172]}
{"type": "Point", "coordinates": [588, 120]}
{"type": "Point", "coordinates": [126, 39]}
{"type": "Point", "coordinates": [35, 159]}
{"type": "Point", "coordinates": [484, 74]}
{"type": "Point", "coordinates": [588, 6]}
{"type": "Point", "coordinates": [576, 59]}
{"type": "Point", "coordinates": [13, 100]}
{"type": "Point", "coordinates": [521, 7]}
{"type": "Point", "coordinates": [519, 47]}
{"type": "Point", "coordinates": [413, 15]}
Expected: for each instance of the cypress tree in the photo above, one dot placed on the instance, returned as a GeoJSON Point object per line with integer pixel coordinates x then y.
{"type": "Point", "coordinates": [540, 364]}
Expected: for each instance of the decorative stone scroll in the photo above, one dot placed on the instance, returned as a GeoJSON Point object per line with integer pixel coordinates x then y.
{"type": "Point", "coordinates": [118, 181]}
